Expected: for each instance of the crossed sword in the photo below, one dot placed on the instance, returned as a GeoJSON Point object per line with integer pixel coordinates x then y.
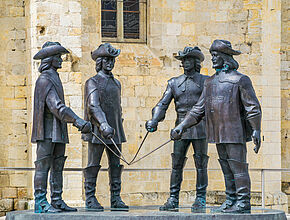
{"type": "Point", "coordinates": [121, 156]}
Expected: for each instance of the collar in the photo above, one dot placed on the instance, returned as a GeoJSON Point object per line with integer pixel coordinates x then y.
{"type": "Point", "coordinates": [195, 78]}
{"type": "Point", "coordinates": [106, 75]}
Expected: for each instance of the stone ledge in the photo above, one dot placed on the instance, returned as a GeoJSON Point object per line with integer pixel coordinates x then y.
{"type": "Point", "coordinates": [150, 212]}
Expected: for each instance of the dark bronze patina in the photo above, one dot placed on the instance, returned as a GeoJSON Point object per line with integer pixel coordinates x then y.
{"type": "Point", "coordinates": [103, 108]}
{"type": "Point", "coordinates": [50, 118]}
{"type": "Point", "coordinates": [233, 116]}
{"type": "Point", "coordinates": [185, 90]}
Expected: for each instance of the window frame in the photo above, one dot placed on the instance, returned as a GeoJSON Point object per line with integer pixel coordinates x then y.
{"type": "Point", "coordinates": [120, 25]}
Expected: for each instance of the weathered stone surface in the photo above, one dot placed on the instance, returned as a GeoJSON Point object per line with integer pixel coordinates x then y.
{"type": "Point", "coordinates": [151, 213]}
{"type": "Point", "coordinates": [6, 205]}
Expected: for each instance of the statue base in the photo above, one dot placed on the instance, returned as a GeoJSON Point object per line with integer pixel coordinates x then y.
{"type": "Point", "coordinates": [150, 212]}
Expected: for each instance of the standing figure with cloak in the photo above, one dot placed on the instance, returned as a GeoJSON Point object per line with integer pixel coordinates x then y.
{"type": "Point", "coordinates": [49, 132]}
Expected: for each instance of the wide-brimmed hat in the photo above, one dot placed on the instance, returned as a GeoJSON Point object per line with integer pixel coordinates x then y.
{"type": "Point", "coordinates": [105, 50]}
{"type": "Point", "coordinates": [190, 52]}
{"type": "Point", "coordinates": [223, 46]}
{"type": "Point", "coordinates": [50, 49]}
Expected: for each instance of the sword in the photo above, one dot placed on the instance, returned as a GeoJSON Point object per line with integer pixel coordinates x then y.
{"type": "Point", "coordinates": [146, 155]}
{"type": "Point", "coordinates": [140, 147]}
{"type": "Point", "coordinates": [124, 160]}
{"type": "Point", "coordinates": [118, 149]}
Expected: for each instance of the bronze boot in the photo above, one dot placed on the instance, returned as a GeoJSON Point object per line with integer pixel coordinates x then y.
{"type": "Point", "coordinates": [243, 187]}
{"type": "Point", "coordinates": [56, 184]}
{"type": "Point", "coordinates": [172, 202]}
{"type": "Point", "coordinates": [90, 174]}
{"type": "Point", "coordinates": [201, 162]}
{"type": "Point", "coordinates": [115, 187]}
{"type": "Point", "coordinates": [42, 167]}
{"type": "Point", "coordinates": [231, 197]}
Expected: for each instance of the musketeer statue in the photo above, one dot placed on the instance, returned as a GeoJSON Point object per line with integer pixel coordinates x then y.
{"type": "Point", "coordinates": [185, 90]}
{"type": "Point", "coordinates": [103, 109]}
{"type": "Point", "coordinates": [49, 132]}
{"type": "Point", "coordinates": [233, 117]}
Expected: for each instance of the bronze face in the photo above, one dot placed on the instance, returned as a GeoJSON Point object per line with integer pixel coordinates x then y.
{"type": "Point", "coordinates": [217, 60]}
{"type": "Point", "coordinates": [56, 61]}
{"type": "Point", "coordinates": [188, 64]}
{"type": "Point", "coordinates": [108, 64]}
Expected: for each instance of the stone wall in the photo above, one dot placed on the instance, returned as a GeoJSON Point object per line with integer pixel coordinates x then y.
{"type": "Point", "coordinates": [285, 94]}
{"type": "Point", "coordinates": [253, 26]}
{"type": "Point", "coordinates": [13, 104]}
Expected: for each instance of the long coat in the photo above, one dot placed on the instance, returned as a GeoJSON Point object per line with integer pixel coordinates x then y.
{"type": "Point", "coordinates": [185, 91]}
{"type": "Point", "coordinates": [230, 106]}
{"type": "Point", "coordinates": [50, 111]}
{"type": "Point", "coordinates": [102, 103]}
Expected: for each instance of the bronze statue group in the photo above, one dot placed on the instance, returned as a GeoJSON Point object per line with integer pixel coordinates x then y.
{"type": "Point", "coordinates": [221, 109]}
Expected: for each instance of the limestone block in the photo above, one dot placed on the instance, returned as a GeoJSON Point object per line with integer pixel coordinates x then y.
{"type": "Point", "coordinates": [187, 5]}
{"type": "Point", "coordinates": [72, 89]}
{"type": "Point", "coordinates": [76, 77]}
{"type": "Point", "coordinates": [280, 198]}
{"type": "Point", "coordinates": [19, 103]}
{"type": "Point", "coordinates": [141, 91]}
{"type": "Point", "coordinates": [74, 31]}
{"type": "Point", "coordinates": [20, 91]}
{"type": "Point", "coordinates": [75, 101]}
{"type": "Point", "coordinates": [188, 29]}
{"type": "Point", "coordinates": [22, 193]}
{"type": "Point", "coordinates": [6, 205]}
{"type": "Point", "coordinates": [7, 91]}
{"type": "Point", "coordinates": [4, 180]}
{"type": "Point", "coordinates": [74, 6]}
{"type": "Point", "coordinates": [16, 11]}
{"type": "Point", "coordinates": [19, 116]}
{"type": "Point", "coordinates": [18, 180]}
{"type": "Point", "coordinates": [15, 80]}
{"type": "Point", "coordinates": [9, 193]}
{"type": "Point", "coordinates": [20, 204]}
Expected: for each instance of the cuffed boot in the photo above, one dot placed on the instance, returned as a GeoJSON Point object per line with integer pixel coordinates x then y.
{"type": "Point", "coordinates": [178, 164]}
{"type": "Point", "coordinates": [56, 184]}
{"type": "Point", "coordinates": [42, 167]}
{"type": "Point", "coordinates": [243, 187]}
{"type": "Point", "coordinates": [115, 187]}
{"type": "Point", "coordinates": [231, 197]}
{"type": "Point", "coordinates": [201, 180]}
{"type": "Point", "coordinates": [90, 174]}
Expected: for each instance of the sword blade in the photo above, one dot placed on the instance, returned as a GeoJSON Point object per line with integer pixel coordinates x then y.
{"type": "Point", "coordinates": [118, 149]}
{"type": "Point", "coordinates": [109, 148]}
{"type": "Point", "coordinates": [139, 147]}
{"type": "Point", "coordinates": [146, 155]}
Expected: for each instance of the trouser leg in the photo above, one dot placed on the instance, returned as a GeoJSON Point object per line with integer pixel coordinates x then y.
{"type": "Point", "coordinates": [239, 167]}
{"type": "Point", "coordinates": [56, 178]}
{"type": "Point", "coordinates": [229, 184]}
{"type": "Point", "coordinates": [95, 152]}
{"type": "Point", "coordinates": [201, 161]}
{"type": "Point", "coordinates": [115, 171]}
{"type": "Point", "coordinates": [42, 166]}
{"type": "Point", "coordinates": [178, 163]}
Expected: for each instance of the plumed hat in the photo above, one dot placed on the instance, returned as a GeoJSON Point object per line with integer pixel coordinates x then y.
{"type": "Point", "coordinates": [190, 52]}
{"type": "Point", "coordinates": [105, 50]}
{"type": "Point", "coordinates": [50, 49]}
{"type": "Point", "coordinates": [223, 46]}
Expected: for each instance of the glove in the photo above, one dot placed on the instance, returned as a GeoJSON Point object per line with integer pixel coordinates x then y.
{"type": "Point", "coordinates": [87, 128]}
{"type": "Point", "coordinates": [176, 133]}
{"type": "Point", "coordinates": [256, 136]}
{"type": "Point", "coordinates": [151, 125]}
{"type": "Point", "coordinates": [107, 131]}
{"type": "Point", "coordinates": [83, 126]}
